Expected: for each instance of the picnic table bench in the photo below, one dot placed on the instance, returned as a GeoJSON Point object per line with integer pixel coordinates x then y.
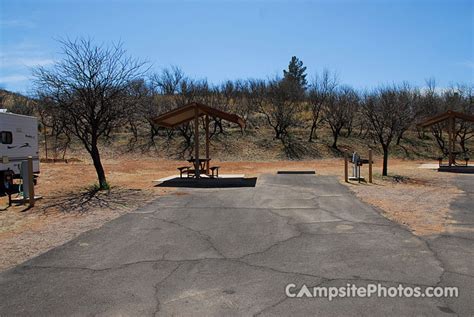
{"type": "Point", "coordinates": [214, 169]}
{"type": "Point", "coordinates": [182, 169]}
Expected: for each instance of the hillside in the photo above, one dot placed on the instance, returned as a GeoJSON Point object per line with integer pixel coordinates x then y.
{"type": "Point", "coordinates": [16, 102]}
{"type": "Point", "coordinates": [254, 144]}
{"type": "Point", "coordinates": [259, 145]}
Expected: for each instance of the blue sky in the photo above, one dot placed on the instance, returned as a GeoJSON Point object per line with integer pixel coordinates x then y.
{"type": "Point", "coordinates": [366, 42]}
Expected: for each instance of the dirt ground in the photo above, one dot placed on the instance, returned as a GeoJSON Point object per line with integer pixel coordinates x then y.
{"type": "Point", "coordinates": [417, 198]}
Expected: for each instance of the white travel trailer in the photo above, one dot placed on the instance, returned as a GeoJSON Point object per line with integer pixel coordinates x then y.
{"type": "Point", "coordinates": [18, 140]}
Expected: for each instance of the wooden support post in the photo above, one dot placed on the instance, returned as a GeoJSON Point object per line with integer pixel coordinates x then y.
{"type": "Point", "coordinates": [207, 144]}
{"type": "Point", "coordinates": [31, 185]}
{"type": "Point", "coordinates": [346, 168]}
{"type": "Point", "coordinates": [197, 166]}
{"type": "Point", "coordinates": [370, 166]}
{"type": "Point", "coordinates": [450, 140]}
{"type": "Point", "coordinates": [453, 140]}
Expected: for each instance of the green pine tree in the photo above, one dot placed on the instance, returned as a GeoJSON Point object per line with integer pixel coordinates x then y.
{"type": "Point", "coordinates": [296, 72]}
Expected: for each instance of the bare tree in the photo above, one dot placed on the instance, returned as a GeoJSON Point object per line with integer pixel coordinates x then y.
{"type": "Point", "coordinates": [320, 90]}
{"type": "Point", "coordinates": [169, 80]}
{"type": "Point", "coordinates": [225, 96]}
{"type": "Point", "coordinates": [188, 91]}
{"type": "Point", "coordinates": [167, 91]}
{"type": "Point", "coordinates": [428, 104]}
{"type": "Point", "coordinates": [458, 98]}
{"type": "Point", "coordinates": [254, 95]}
{"type": "Point", "coordinates": [86, 88]}
{"type": "Point", "coordinates": [408, 96]}
{"type": "Point", "coordinates": [57, 137]}
{"type": "Point", "coordinates": [339, 109]}
{"type": "Point", "coordinates": [282, 106]}
{"type": "Point", "coordinates": [142, 108]}
{"type": "Point", "coordinates": [465, 131]}
{"type": "Point", "coordinates": [387, 110]}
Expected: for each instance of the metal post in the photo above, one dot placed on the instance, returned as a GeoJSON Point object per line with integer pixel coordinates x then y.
{"type": "Point", "coordinates": [346, 167]}
{"type": "Point", "coordinates": [31, 194]}
{"type": "Point", "coordinates": [207, 144]}
{"type": "Point", "coordinates": [370, 166]}
{"type": "Point", "coordinates": [358, 174]}
{"type": "Point", "coordinates": [45, 143]}
{"type": "Point", "coordinates": [197, 166]}
{"type": "Point", "coordinates": [355, 165]}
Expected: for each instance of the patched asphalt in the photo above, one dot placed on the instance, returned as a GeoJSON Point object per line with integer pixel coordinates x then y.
{"type": "Point", "coordinates": [232, 251]}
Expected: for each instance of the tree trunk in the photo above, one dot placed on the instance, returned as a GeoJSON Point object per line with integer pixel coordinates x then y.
{"type": "Point", "coordinates": [400, 137]}
{"type": "Point", "coordinates": [385, 161]}
{"type": "Point", "coordinates": [66, 146]}
{"type": "Point", "coordinates": [98, 166]}
{"type": "Point", "coordinates": [313, 129]}
{"type": "Point", "coordinates": [277, 133]}
{"type": "Point", "coordinates": [349, 131]}
{"type": "Point", "coordinates": [153, 134]}
{"type": "Point", "coordinates": [421, 133]}
{"type": "Point", "coordinates": [462, 143]}
{"type": "Point", "coordinates": [335, 134]}
{"type": "Point", "coordinates": [219, 124]}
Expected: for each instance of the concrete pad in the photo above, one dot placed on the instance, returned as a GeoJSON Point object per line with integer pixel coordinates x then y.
{"type": "Point", "coordinates": [430, 166]}
{"type": "Point", "coordinates": [207, 182]}
{"type": "Point", "coordinates": [164, 179]}
{"type": "Point", "coordinates": [457, 169]}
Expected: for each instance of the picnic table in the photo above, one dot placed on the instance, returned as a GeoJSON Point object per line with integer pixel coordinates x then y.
{"type": "Point", "coordinates": [455, 155]}
{"type": "Point", "coordinates": [203, 164]}
{"type": "Point", "coordinates": [464, 157]}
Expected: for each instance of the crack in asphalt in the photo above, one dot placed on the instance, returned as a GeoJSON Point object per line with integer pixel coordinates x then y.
{"type": "Point", "coordinates": [207, 238]}
{"type": "Point", "coordinates": [268, 268]}
{"type": "Point", "coordinates": [459, 273]}
{"type": "Point", "coordinates": [242, 260]}
{"type": "Point", "coordinates": [276, 244]}
{"type": "Point", "coordinates": [434, 250]}
{"type": "Point", "coordinates": [271, 306]}
{"type": "Point", "coordinates": [237, 261]}
{"type": "Point", "coordinates": [447, 236]}
{"type": "Point", "coordinates": [157, 286]}
{"type": "Point", "coordinates": [395, 225]}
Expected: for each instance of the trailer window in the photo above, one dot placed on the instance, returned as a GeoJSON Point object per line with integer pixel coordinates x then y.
{"type": "Point", "coordinates": [6, 137]}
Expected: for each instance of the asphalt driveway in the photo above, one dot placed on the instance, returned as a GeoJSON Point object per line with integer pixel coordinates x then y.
{"type": "Point", "coordinates": [231, 252]}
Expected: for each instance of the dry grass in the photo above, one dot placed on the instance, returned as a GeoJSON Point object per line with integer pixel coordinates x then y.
{"type": "Point", "coordinates": [420, 200]}
{"type": "Point", "coordinates": [414, 197]}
